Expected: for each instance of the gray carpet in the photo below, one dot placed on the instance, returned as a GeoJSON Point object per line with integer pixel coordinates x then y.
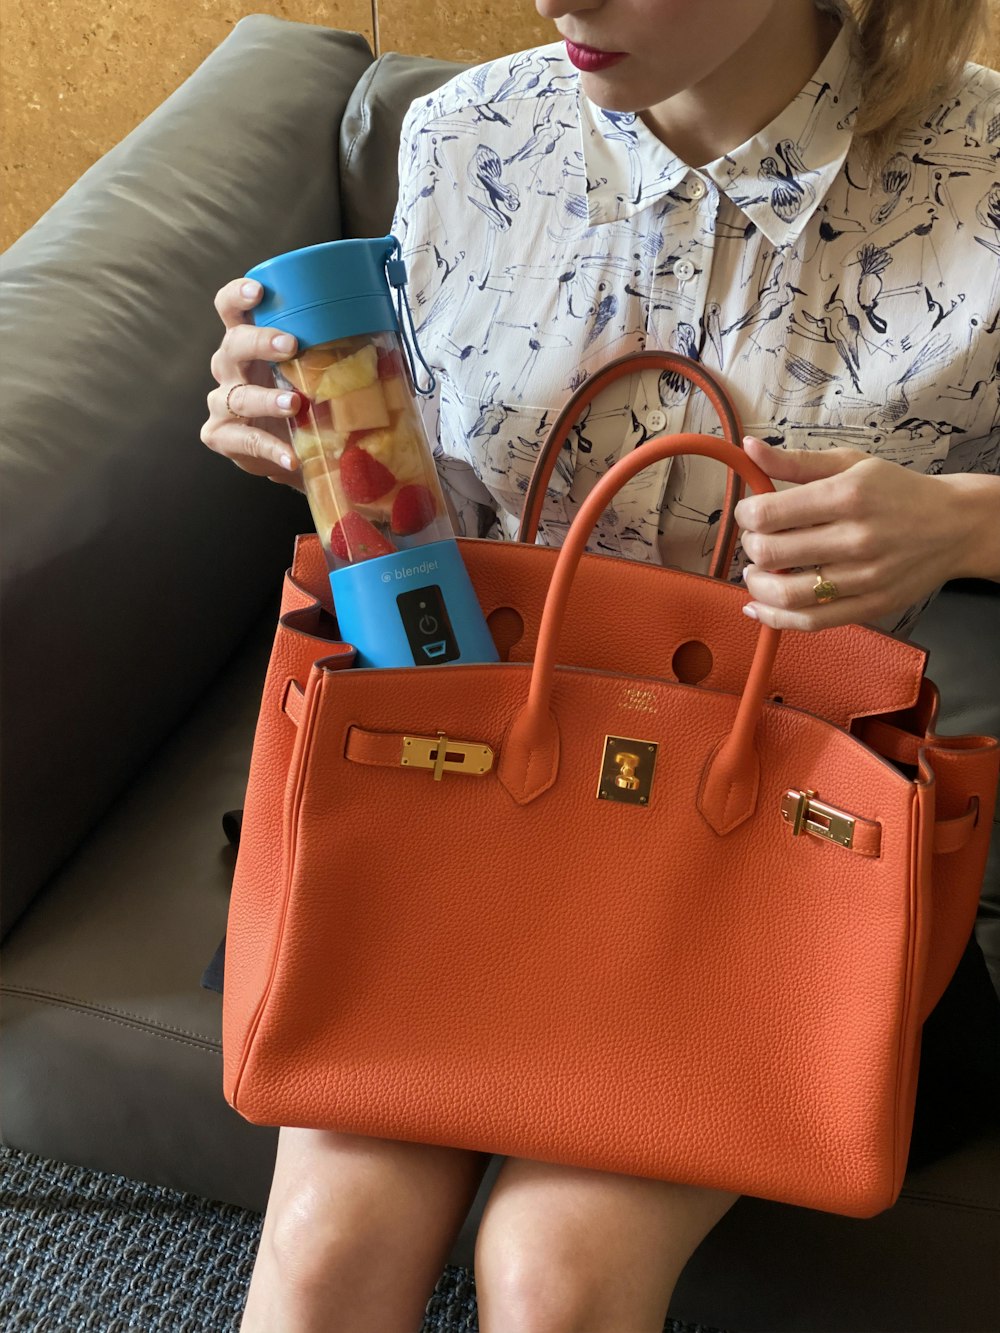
{"type": "Point", "coordinates": [82, 1251]}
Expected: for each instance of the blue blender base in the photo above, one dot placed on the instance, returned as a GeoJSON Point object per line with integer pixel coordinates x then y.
{"type": "Point", "coordinates": [412, 608]}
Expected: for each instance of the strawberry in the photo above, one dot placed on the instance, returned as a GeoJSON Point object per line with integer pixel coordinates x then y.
{"type": "Point", "coordinates": [390, 363]}
{"type": "Point", "coordinates": [364, 478]}
{"type": "Point", "coordinates": [302, 420]}
{"type": "Point", "coordinates": [413, 508]}
{"type": "Point", "coordinates": [320, 412]}
{"type": "Point", "coordinates": [354, 539]}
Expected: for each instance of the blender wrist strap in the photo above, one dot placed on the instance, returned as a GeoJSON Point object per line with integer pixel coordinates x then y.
{"type": "Point", "coordinates": [395, 270]}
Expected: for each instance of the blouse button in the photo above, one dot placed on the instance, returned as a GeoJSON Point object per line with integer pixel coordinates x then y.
{"type": "Point", "coordinates": [697, 188]}
{"type": "Point", "coordinates": [684, 270]}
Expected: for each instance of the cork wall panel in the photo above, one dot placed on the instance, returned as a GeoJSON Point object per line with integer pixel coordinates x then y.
{"type": "Point", "coordinates": [77, 76]}
{"type": "Point", "coordinates": [469, 30]}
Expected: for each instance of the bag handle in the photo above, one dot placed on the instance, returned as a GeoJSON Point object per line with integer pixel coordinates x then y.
{"type": "Point", "coordinates": [725, 540]}
{"type": "Point", "coordinates": [530, 753]}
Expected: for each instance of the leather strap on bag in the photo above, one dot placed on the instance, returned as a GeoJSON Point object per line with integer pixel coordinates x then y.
{"type": "Point", "coordinates": [530, 758]}
{"type": "Point", "coordinates": [634, 362]}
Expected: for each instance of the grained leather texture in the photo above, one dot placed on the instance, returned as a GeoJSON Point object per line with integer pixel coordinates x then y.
{"type": "Point", "coordinates": [637, 993]}
{"type": "Point", "coordinates": [644, 631]}
{"type": "Point", "coordinates": [773, 975]}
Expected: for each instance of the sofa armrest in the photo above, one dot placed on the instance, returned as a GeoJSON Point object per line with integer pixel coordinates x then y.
{"type": "Point", "coordinates": [134, 559]}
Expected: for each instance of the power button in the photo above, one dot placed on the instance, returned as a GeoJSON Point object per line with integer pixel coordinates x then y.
{"type": "Point", "coordinates": [428, 628]}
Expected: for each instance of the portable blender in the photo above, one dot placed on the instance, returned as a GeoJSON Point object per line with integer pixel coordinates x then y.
{"type": "Point", "coordinates": [401, 592]}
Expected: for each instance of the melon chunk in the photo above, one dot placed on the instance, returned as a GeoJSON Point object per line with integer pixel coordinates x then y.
{"type": "Point", "coordinates": [397, 396]}
{"type": "Point", "coordinates": [360, 409]}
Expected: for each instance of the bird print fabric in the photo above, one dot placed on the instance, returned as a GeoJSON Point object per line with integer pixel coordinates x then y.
{"type": "Point", "coordinates": [544, 236]}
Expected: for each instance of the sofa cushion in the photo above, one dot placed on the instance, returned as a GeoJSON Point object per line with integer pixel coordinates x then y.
{"type": "Point", "coordinates": [369, 136]}
{"type": "Point", "coordinates": [123, 535]}
{"type": "Point", "coordinates": [961, 630]}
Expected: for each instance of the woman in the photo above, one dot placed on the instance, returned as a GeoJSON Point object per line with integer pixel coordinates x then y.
{"type": "Point", "coordinates": [693, 177]}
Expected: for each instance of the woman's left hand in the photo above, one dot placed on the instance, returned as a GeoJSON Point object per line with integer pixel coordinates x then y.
{"type": "Point", "coordinates": [883, 535]}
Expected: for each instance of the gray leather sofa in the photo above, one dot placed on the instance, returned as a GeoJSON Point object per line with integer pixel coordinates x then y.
{"type": "Point", "coordinates": [140, 584]}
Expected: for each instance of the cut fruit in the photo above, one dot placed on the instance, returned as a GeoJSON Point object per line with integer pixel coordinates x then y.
{"type": "Point", "coordinates": [398, 447]}
{"type": "Point", "coordinates": [397, 395]}
{"type": "Point", "coordinates": [361, 409]}
{"type": "Point", "coordinates": [363, 477]}
{"type": "Point", "coordinates": [307, 444]}
{"type": "Point", "coordinates": [390, 363]}
{"type": "Point", "coordinates": [346, 376]}
{"type": "Point", "coordinates": [413, 508]}
{"type": "Point", "coordinates": [302, 419]}
{"type": "Point", "coordinates": [354, 539]}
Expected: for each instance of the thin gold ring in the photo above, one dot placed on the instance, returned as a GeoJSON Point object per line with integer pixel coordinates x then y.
{"type": "Point", "coordinates": [824, 590]}
{"type": "Point", "coordinates": [238, 415]}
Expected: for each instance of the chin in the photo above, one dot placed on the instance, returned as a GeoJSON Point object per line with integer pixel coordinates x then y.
{"type": "Point", "coordinates": [604, 90]}
{"type": "Point", "coordinates": [609, 94]}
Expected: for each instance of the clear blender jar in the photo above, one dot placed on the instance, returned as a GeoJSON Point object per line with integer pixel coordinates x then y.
{"type": "Point", "coordinates": [401, 593]}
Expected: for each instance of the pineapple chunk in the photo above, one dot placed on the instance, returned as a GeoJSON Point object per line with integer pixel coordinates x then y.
{"type": "Point", "coordinates": [396, 448]}
{"type": "Point", "coordinates": [360, 409]}
{"type": "Point", "coordinates": [307, 443]}
{"type": "Point", "coordinates": [350, 374]}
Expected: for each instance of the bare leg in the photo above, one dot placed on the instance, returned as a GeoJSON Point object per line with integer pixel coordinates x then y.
{"type": "Point", "coordinates": [357, 1232]}
{"type": "Point", "coordinates": [566, 1250]}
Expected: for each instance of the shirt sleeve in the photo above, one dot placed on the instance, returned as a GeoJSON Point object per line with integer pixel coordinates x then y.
{"type": "Point", "coordinates": [418, 226]}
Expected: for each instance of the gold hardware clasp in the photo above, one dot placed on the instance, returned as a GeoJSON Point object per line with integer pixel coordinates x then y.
{"type": "Point", "coordinates": [443, 754]}
{"type": "Point", "coordinates": [627, 766]}
{"type": "Point", "coordinates": [806, 814]}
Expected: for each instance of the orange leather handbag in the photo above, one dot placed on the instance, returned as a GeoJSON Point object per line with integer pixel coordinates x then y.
{"type": "Point", "coordinates": [664, 892]}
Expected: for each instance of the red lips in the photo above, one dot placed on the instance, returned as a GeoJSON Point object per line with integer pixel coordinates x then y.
{"type": "Point", "coordinates": [588, 59]}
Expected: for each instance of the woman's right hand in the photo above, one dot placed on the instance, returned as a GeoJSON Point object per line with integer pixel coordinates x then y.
{"type": "Point", "coordinates": [244, 358]}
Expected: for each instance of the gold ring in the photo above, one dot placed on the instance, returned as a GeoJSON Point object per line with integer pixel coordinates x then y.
{"type": "Point", "coordinates": [824, 590]}
{"type": "Point", "coordinates": [237, 415]}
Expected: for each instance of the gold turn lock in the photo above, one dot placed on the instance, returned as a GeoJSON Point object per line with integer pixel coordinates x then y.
{"type": "Point", "coordinates": [444, 755]}
{"type": "Point", "coordinates": [806, 814]}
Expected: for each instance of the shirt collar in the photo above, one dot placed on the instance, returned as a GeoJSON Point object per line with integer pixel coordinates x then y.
{"type": "Point", "coordinates": [778, 178]}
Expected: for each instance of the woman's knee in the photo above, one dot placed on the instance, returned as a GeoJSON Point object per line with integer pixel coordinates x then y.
{"type": "Point", "coordinates": [534, 1291]}
{"type": "Point", "coordinates": [563, 1251]}
{"type": "Point", "coordinates": [311, 1242]}
{"type": "Point", "coordinates": [343, 1204]}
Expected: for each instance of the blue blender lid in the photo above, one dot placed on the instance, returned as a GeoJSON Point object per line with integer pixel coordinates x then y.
{"type": "Point", "coordinates": [327, 291]}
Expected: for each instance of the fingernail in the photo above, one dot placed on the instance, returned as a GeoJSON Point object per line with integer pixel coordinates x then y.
{"type": "Point", "coordinates": [751, 611]}
{"type": "Point", "coordinates": [286, 462]}
{"type": "Point", "coordinates": [747, 439]}
{"type": "Point", "coordinates": [282, 342]}
{"type": "Point", "coordinates": [744, 575]}
{"type": "Point", "coordinates": [285, 401]}
{"type": "Point", "coordinates": [250, 290]}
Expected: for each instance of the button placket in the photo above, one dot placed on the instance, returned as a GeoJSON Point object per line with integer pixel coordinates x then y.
{"type": "Point", "coordinates": [691, 272]}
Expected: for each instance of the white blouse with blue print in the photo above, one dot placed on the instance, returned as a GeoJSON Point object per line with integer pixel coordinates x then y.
{"type": "Point", "coordinates": [544, 236]}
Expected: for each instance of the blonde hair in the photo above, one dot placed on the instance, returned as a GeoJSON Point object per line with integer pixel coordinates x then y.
{"type": "Point", "coordinates": [914, 52]}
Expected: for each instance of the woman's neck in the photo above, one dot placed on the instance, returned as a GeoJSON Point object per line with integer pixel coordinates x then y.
{"type": "Point", "coordinates": [743, 95]}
